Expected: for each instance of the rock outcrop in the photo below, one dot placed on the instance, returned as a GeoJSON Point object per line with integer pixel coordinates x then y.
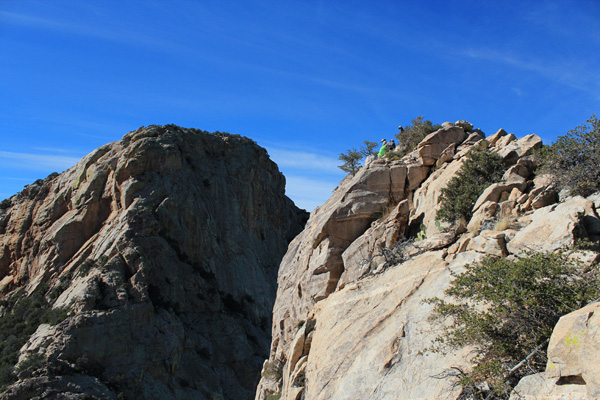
{"type": "Point", "coordinates": [164, 248]}
{"type": "Point", "coordinates": [573, 370]}
{"type": "Point", "coordinates": [350, 320]}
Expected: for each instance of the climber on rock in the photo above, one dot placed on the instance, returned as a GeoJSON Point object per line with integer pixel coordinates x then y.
{"type": "Point", "coordinates": [383, 148]}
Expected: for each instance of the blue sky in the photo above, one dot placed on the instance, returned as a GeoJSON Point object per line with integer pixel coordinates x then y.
{"type": "Point", "coordinates": [305, 79]}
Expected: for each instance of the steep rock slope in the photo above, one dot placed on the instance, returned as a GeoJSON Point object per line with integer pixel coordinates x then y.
{"type": "Point", "coordinates": [350, 319]}
{"type": "Point", "coordinates": [164, 248]}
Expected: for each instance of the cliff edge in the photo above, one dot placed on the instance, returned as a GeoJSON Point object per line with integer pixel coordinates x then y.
{"type": "Point", "coordinates": [161, 251]}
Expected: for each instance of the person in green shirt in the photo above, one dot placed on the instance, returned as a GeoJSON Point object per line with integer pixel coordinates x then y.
{"type": "Point", "coordinates": [383, 148]}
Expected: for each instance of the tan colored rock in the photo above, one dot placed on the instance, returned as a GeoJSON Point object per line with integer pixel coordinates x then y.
{"type": "Point", "coordinates": [384, 233]}
{"type": "Point", "coordinates": [544, 198]}
{"type": "Point", "coordinates": [504, 140]}
{"type": "Point", "coordinates": [512, 150]}
{"type": "Point", "coordinates": [368, 336]}
{"type": "Point", "coordinates": [430, 148]}
{"type": "Point", "coordinates": [564, 349]}
{"type": "Point", "coordinates": [495, 190]}
{"type": "Point", "coordinates": [515, 194]}
{"type": "Point", "coordinates": [552, 227]}
{"type": "Point", "coordinates": [538, 387]}
{"type": "Point", "coordinates": [484, 213]}
{"type": "Point", "coordinates": [447, 155]}
{"type": "Point", "coordinates": [426, 198]}
{"type": "Point", "coordinates": [473, 138]}
{"type": "Point", "coordinates": [467, 126]}
{"type": "Point", "coordinates": [493, 139]}
{"type": "Point", "coordinates": [489, 243]}
{"type": "Point", "coordinates": [416, 174]}
{"type": "Point", "coordinates": [311, 269]}
{"type": "Point", "coordinates": [573, 369]}
{"type": "Point", "coordinates": [516, 173]}
{"type": "Point", "coordinates": [528, 144]}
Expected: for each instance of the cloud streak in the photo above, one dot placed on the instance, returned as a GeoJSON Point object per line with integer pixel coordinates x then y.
{"type": "Point", "coordinates": [37, 161]}
{"type": "Point", "coordinates": [309, 193]}
{"type": "Point", "coordinates": [574, 76]}
{"type": "Point", "coordinates": [304, 160]}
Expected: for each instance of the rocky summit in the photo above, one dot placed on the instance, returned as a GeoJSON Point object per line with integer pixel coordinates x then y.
{"type": "Point", "coordinates": [351, 321]}
{"type": "Point", "coordinates": [153, 266]}
{"type": "Point", "coordinates": [156, 268]}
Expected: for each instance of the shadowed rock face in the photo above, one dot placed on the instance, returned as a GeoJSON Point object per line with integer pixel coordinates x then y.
{"type": "Point", "coordinates": [165, 247]}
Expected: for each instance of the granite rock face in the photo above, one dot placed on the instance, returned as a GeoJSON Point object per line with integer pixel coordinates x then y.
{"type": "Point", "coordinates": [164, 248]}
{"type": "Point", "coordinates": [350, 320]}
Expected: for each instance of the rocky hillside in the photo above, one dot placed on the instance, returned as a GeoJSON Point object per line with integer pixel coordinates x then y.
{"type": "Point", "coordinates": [350, 321]}
{"type": "Point", "coordinates": [153, 262]}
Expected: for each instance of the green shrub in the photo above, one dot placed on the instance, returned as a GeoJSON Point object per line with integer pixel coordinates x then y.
{"type": "Point", "coordinates": [480, 169]}
{"type": "Point", "coordinates": [507, 311]}
{"type": "Point", "coordinates": [413, 134]}
{"type": "Point", "coordinates": [23, 316]}
{"type": "Point", "coordinates": [574, 159]}
{"type": "Point", "coordinates": [352, 157]}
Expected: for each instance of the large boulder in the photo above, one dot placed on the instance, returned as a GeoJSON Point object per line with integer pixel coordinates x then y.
{"type": "Point", "coordinates": [555, 226]}
{"type": "Point", "coordinates": [573, 369]}
{"type": "Point", "coordinates": [430, 148]}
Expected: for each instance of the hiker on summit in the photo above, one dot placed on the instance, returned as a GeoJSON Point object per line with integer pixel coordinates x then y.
{"type": "Point", "coordinates": [391, 145]}
{"type": "Point", "coordinates": [383, 148]}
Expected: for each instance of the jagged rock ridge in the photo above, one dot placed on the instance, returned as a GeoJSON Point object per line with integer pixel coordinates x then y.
{"type": "Point", "coordinates": [164, 247]}
{"type": "Point", "coordinates": [350, 320]}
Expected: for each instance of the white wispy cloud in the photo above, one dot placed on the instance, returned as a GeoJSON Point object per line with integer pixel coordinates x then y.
{"type": "Point", "coordinates": [106, 32]}
{"type": "Point", "coordinates": [571, 75]}
{"type": "Point", "coordinates": [309, 193]}
{"type": "Point", "coordinates": [37, 161]}
{"type": "Point", "coordinates": [304, 160]}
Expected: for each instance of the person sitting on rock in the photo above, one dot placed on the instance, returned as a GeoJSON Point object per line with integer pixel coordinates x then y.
{"type": "Point", "coordinates": [391, 145]}
{"type": "Point", "coordinates": [383, 148]}
{"type": "Point", "coordinates": [401, 128]}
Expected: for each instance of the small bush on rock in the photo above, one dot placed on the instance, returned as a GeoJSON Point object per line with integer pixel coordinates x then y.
{"type": "Point", "coordinates": [574, 159]}
{"type": "Point", "coordinates": [480, 169]}
{"type": "Point", "coordinates": [507, 311]}
{"type": "Point", "coordinates": [352, 157]}
{"type": "Point", "coordinates": [413, 134]}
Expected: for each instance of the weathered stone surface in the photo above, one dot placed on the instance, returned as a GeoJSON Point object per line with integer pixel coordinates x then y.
{"type": "Point", "coordinates": [504, 140]}
{"type": "Point", "coordinates": [495, 190]}
{"type": "Point", "coordinates": [573, 369]}
{"type": "Point", "coordinates": [511, 149]}
{"type": "Point", "coordinates": [553, 227]}
{"type": "Point", "coordinates": [489, 243]}
{"type": "Point", "coordinates": [366, 249]}
{"type": "Point", "coordinates": [493, 139]}
{"type": "Point", "coordinates": [516, 173]}
{"type": "Point", "coordinates": [564, 349]}
{"type": "Point", "coordinates": [165, 248]}
{"type": "Point", "coordinates": [426, 198]}
{"type": "Point", "coordinates": [538, 387]}
{"type": "Point", "coordinates": [447, 155]}
{"type": "Point", "coordinates": [484, 213]}
{"type": "Point", "coordinates": [368, 336]}
{"type": "Point", "coordinates": [431, 147]}
{"type": "Point", "coordinates": [466, 125]}
{"type": "Point", "coordinates": [313, 265]}
{"type": "Point", "coordinates": [65, 387]}
{"type": "Point", "coordinates": [416, 174]}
